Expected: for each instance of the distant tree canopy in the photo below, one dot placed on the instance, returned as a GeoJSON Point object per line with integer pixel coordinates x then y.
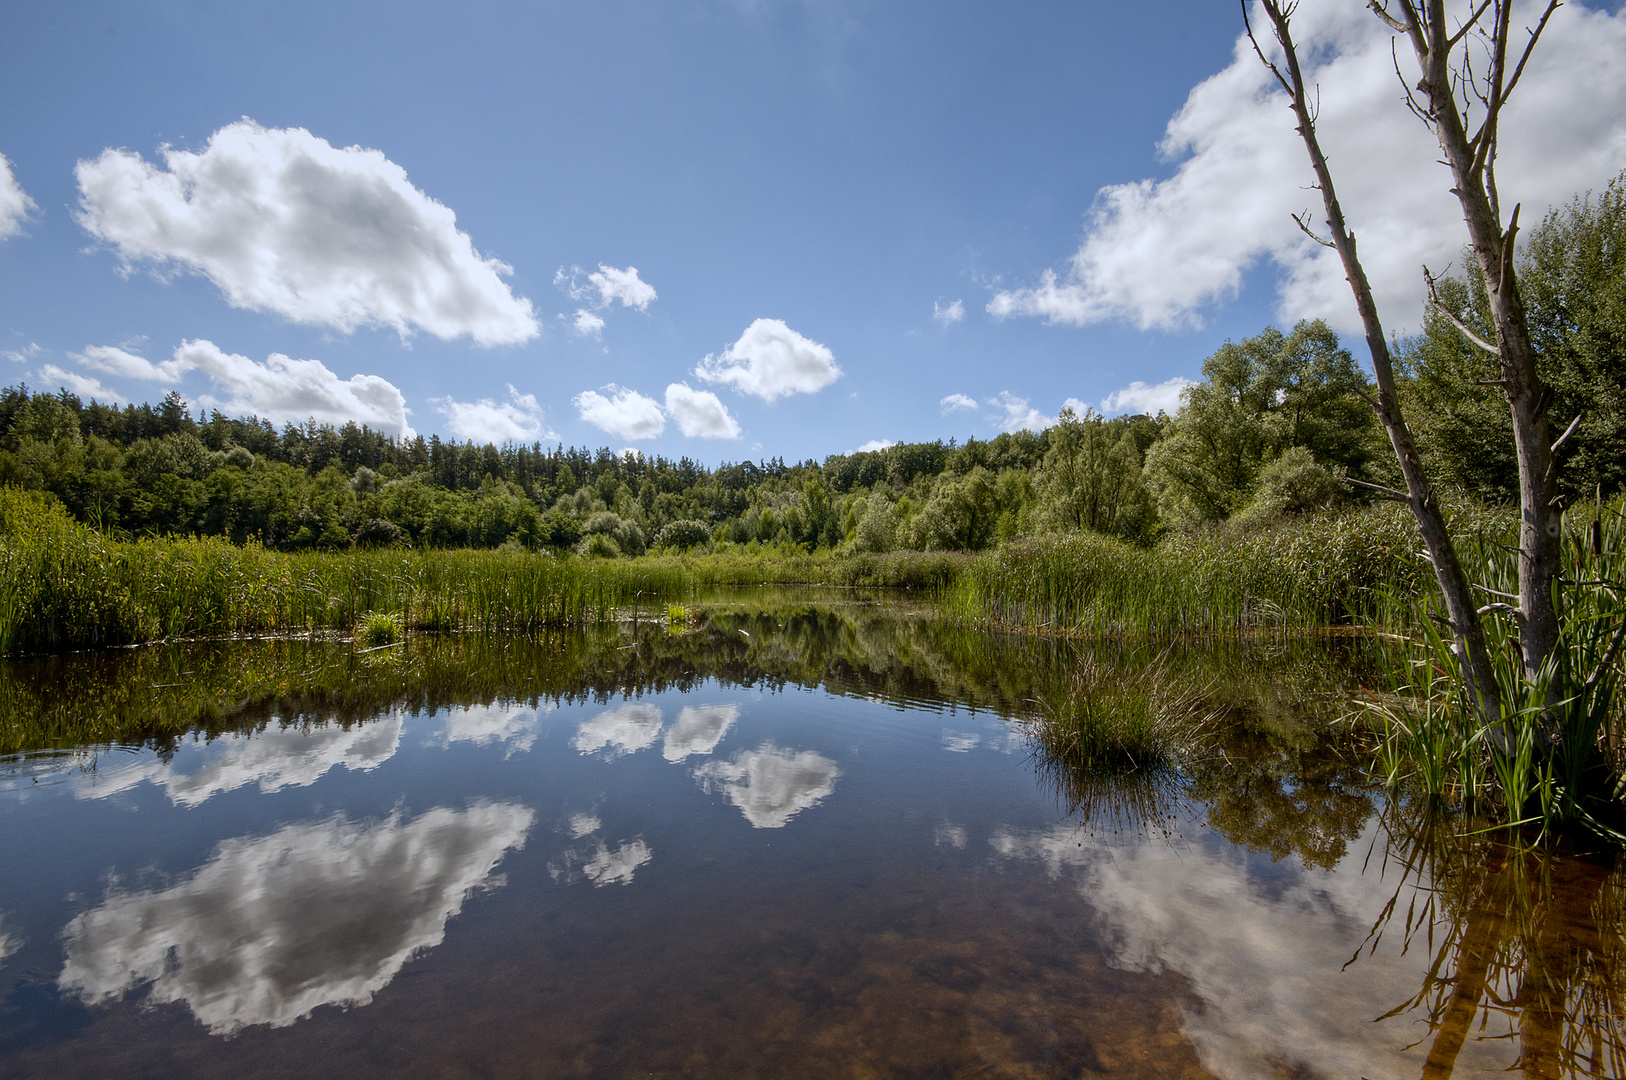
{"type": "Point", "coordinates": [1273, 429]}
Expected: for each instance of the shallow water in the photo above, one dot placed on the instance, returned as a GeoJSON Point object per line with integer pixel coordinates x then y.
{"type": "Point", "coordinates": [798, 839]}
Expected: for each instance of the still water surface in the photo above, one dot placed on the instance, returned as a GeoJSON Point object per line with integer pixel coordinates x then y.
{"type": "Point", "coordinates": [802, 839]}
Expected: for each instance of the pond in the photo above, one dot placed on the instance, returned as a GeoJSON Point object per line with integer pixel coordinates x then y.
{"type": "Point", "coordinates": [795, 836]}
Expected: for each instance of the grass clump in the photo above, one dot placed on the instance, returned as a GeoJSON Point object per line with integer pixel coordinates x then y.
{"type": "Point", "coordinates": [1115, 717]}
{"type": "Point", "coordinates": [379, 628]}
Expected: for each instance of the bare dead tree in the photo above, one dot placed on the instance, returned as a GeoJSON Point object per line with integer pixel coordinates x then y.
{"type": "Point", "coordinates": [1467, 626]}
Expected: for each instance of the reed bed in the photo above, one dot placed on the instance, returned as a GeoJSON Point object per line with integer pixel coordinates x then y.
{"type": "Point", "coordinates": [64, 586]}
{"type": "Point", "coordinates": [1315, 571]}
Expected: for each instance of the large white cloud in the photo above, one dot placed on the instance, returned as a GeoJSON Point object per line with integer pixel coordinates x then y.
{"type": "Point", "coordinates": [275, 758]}
{"type": "Point", "coordinates": [520, 419]}
{"type": "Point", "coordinates": [272, 927]}
{"type": "Point", "coordinates": [1267, 960]}
{"type": "Point", "coordinates": [15, 205]}
{"type": "Point", "coordinates": [1156, 252]}
{"type": "Point", "coordinates": [697, 730]}
{"type": "Point", "coordinates": [770, 360]}
{"type": "Point", "coordinates": [1139, 397]}
{"type": "Point", "coordinates": [699, 414]}
{"type": "Point", "coordinates": [770, 785]}
{"type": "Point", "coordinates": [626, 413]}
{"type": "Point", "coordinates": [623, 730]}
{"type": "Point", "coordinates": [281, 220]}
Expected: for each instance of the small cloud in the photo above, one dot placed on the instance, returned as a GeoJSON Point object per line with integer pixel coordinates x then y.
{"type": "Point", "coordinates": [605, 286]}
{"type": "Point", "coordinates": [873, 445]}
{"type": "Point", "coordinates": [624, 412]}
{"type": "Point", "coordinates": [1138, 397]}
{"type": "Point", "coordinates": [958, 403]}
{"type": "Point", "coordinates": [586, 323]}
{"type": "Point", "coordinates": [1017, 415]}
{"type": "Point", "coordinates": [520, 419]}
{"type": "Point", "coordinates": [285, 389]}
{"type": "Point", "coordinates": [83, 385]}
{"type": "Point", "coordinates": [15, 205]}
{"type": "Point", "coordinates": [699, 414]}
{"type": "Point", "coordinates": [948, 314]}
{"type": "Point", "coordinates": [770, 360]}
{"type": "Point", "coordinates": [23, 355]}
{"type": "Point", "coordinates": [126, 364]}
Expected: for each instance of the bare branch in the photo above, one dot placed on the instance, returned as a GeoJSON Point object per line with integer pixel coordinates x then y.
{"type": "Point", "coordinates": [1535, 34]}
{"type": "Point", "coordinates": [1508, 609]}
{"type": "Point", "coordinates": [1381, 11]}
{"type": "Point", "coordinates": [1495, 592]}
{"type": "Point", "coordinates": [1567, 433]}
{"type": "Point", "coordinates": [1468, 25]}
{"type": "Point", "coordinates": [1310, 232]}
{"type": "Point", "coordinates": [1400, 496]}
{"type": "Point", "coordinates": [1445, 313]}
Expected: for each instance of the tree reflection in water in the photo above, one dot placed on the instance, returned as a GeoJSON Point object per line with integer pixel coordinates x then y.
{"type": "Point", "coordinates": [1525, 945]}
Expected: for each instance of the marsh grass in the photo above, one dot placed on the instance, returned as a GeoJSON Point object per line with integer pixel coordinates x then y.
{"type": "Point", "coordinates": [1297, 573]}
{"type": "Point", "coordinates": [1557, 752]}
{"type": "Point", "coordinates": [379, 628]}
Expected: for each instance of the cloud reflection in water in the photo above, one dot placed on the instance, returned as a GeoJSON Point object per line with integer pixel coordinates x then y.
{"type": "Point", "coordinates": [1266, 958]}
{"type": "Point", "coordinates": [514, 727]}
{"type": "Point", "coordinates": [769, 785]}
{"type": "Point", "coordinates": [315, 914]}
{"type": "Point", "coordinates": [698, 730]}
{"type": "Point", "coordinates": [274, 758]}
{"type": "Point", "coordinates": [625, 730]}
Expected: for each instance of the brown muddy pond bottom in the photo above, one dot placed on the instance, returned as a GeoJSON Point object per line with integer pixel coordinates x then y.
{"type": "Point", "coordinates": [734, 875]}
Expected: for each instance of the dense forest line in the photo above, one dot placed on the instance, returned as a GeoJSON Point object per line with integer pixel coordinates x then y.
{"type": "Point", "coordinates": [1276, 427]}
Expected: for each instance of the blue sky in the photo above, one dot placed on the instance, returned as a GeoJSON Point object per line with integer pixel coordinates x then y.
{"type": "Point", "coordinates": [810, 194]}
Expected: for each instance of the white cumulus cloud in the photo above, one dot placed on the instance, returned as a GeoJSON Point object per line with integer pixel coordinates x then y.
{"type": "Point", "coordinates": [126, 364]}
{"type": "Point", "coordinates": [958, 403]}
{"type": "Point", "coordinates": [948, 314]}
{"type": "Point", "coordinates": [520, 419]}
{"type": "Point", "coordinates": [626, 413]}
{"type": "Point", "coordinates": [770, 360]}
{"type": "Point", "coordinates": [283, 221]}
{"type": "Point", "coordinates": [86, 386]}
{"type": "Point", "coordinates": [605, 286]}
{"type": "Point", "coordinates": [1139, 397]}
{"type": "Point", "coordinates": [15, 205]}
{"type": "Point", "coordinates": [272, 927]}
{"type": "Point", "coordinates": [1013, 413]}
{"type": "Point", "coordinates": [285, 389]}
{"type": "Point", "coordinates": [513, 727]}
{"type": "Point", "coordinates": [586, 323]}
{"type": "Point", "coordinates": [1156, 252]}
{"type": "Point", "coordinates": [699, 414]}
{"type": "Point", "coordinates": [873, 445]}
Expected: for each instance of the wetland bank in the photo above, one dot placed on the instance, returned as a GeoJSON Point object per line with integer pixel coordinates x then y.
{"type": "Point", "coordinates": [786, 833]}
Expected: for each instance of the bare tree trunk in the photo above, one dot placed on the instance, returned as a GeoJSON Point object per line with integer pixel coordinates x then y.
{"type": "Point", "coordinates": [1466, 626]}
{"type": "Point", "coordinates": [1472, 160]}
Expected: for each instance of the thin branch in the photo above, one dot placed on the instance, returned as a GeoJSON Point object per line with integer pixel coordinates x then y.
{"type": "Point", "coordinates": [1553, 6]}
{"type": "Point", "coordinates": [1386, 491]}
{"type": "Point", "coordinates": [1310, 232]}
{"type": "Point", "coordinates": [1443, 311]}
{"type": "Point", "coordinates": [1469, 25]}
{"type": "Point", "coordinates": [1567, 432]}
{"type": "Point", "coordinates": [1506, 608]}
{"type": "Point", "coordinates": [1496, 592]}
{"type": "Point", "coordinates": [1381, 11]}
